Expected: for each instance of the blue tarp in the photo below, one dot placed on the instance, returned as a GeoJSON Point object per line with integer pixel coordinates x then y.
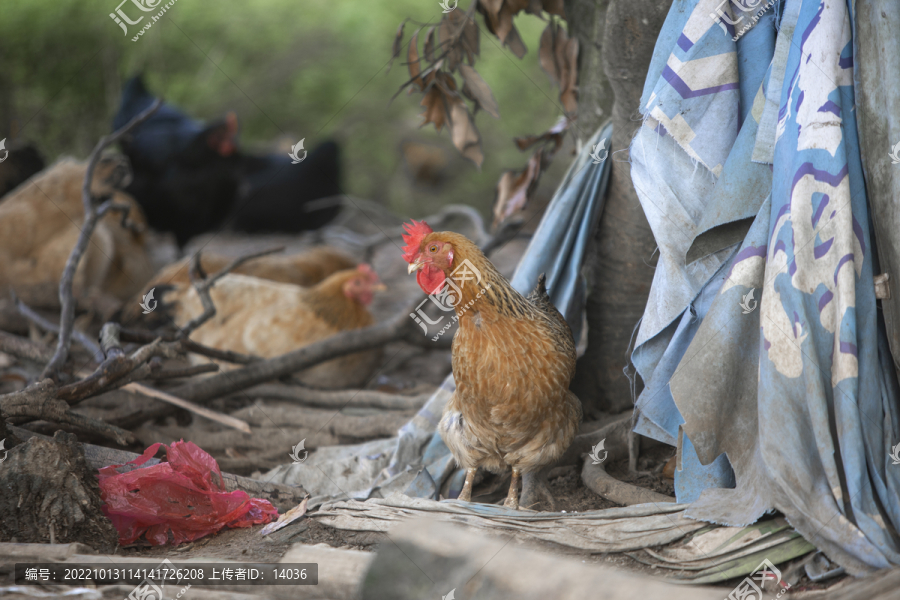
{"type": "Point", "coordinates": [748, 168]}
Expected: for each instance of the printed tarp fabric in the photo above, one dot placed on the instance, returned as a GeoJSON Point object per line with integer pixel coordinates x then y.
{"type": "Point", "coordinates": [787, 399]}
{"type": "Point", "coordinates": [179, 500]}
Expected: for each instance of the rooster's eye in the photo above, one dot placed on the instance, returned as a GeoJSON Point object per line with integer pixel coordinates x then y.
{"type": "Point", "coordinates": [433, 248]}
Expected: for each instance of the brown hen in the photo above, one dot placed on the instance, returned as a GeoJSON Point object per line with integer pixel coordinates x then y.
{"type": "Point", "coordinates": [513, 358]}
{"type": "Point", "coordinates": [267, 318]}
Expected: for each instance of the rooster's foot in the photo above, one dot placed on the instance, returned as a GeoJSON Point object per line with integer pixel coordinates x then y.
{"type": "Point", "coordinates": [466, 494]}
{"type": "Point", "coordinates": [512, 499]}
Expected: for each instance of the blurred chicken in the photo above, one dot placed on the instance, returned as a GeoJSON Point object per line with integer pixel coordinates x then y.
{"type": "Point", "coordinates": [304, 269]}
{"type": "Point", "coordinates": [267, 318]}
{"type": "Point", "coordinates": [40, 223]}
{"type": "Point", "coordinates": [513, 358]}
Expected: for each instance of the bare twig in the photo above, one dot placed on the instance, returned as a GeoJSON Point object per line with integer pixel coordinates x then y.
{"type": "Point", "coordinates": [339, 398]}
{"type": "Point", "coordinates": [86, 342]}
{"type": "Point", "coordinates": [38, 401]}
{"type": "Point", "coordinates": [142, 337]}
{"type": "Point", "coordinates": [203, 285]}
{"type": "Point", "coordinates": [185, 371]}
{"type": "Point", "coordinates": [22, 347]}
{"type": "Point", "coordinates": [212, 415]}
{"type": "Point", "coordinates": [116, 366]}
{"type": "Point", "coordinates": [91, 217]}
{"type": "Point", "coordinates": [398, 328]}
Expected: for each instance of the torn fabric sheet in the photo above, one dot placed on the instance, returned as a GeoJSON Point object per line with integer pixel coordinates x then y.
{"type": "Point", "coordinates": [765, 360]}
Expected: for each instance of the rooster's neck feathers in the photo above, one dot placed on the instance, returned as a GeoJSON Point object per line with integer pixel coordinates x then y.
{"type": "Point", "coordinates": [497, 294]}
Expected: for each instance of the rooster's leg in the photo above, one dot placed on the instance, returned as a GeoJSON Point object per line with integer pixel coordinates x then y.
{"type": "Point", "coordinates": [512, 499]}
{"type": "Point", "coordinates": [466, 494]}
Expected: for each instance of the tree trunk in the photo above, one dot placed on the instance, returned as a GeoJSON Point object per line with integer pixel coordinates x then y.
{"type": "Point", "coordinates": [618, 267]}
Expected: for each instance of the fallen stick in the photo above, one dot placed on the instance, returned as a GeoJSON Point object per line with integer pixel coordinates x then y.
{"type": "Point", "coordinates": [22, 347]}
{"type": "Point", "coordinates": [38, 401]}
{"type": "Point", "coordinates": [138, 388]}
{"type": "Point", "coordinates": [283, 497]}
{"type": "Point", "coordinates": [225, 383]}
{"type": "Point", "coordinates": [339, 398]}
{"type": "Point", "coordinates": [143, 337]}
{"type": "Point", "coordinates": [203, 285]}
{"type": "Point", "coordinates": [86, 342]}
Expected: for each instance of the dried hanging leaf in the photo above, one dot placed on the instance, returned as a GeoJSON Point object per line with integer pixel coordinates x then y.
{"type": "Point", "coordinates": [464, 133]}
{"type": "Point", "coordinates": [515, 189]}
{"type": "Point", "coordinates": [450, 30]}
{"type": "Point", "coordinates": [398, 45]}
{"type": "Point", "coordinates": [535, 7]}
{"type": "Point", "coordinates": [428, 48]}
{"type": "Point", "coordinates": [470, 40]}
{"type": "Point", "coordinates": [492, 6]}
{"type": "Point", "coordinates": [412, 60]}
{"type": "Point", "coordinates": [555, 134]}
{"type": "Point", "coordinates": [435, 108]}
{"type": "Point", "coordinates": [547, 53]}
{"type": "Point", "coordinates": [559, 53]}
{"type": "Point", "coordinates": [555, 7]}
{"type": "Point", "coordinates": [478, 91]}
{"type": "Point", "coordinates": [515, 43]}
{"type": "Point", "coordinates": [569, 86]}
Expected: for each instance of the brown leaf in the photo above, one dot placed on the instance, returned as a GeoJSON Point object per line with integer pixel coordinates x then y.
{"type": "Point", "coordinates": [475, 88]}
{"type": "Point", "coordinates": [569, 86]}
{"type": "Point", "coordinates": [450, 31]}
{"type": "Point", "coordinates": [547, 53]}
{"type": "Point", "coordinates": [470, 40]}
{"type": "Point", "coordinates": [464, 133]}
{"type": "Point", "coordinates": [515, 43]}
{"type": "Point", "coordinates": [492, 6]}
{"type": "Point", "coordinates": [555, 7]}
{"type": "Point", "coordinates": [515, 189]}
{"type": "Point", "coordinates": [428, 48]}
{"type": "Point", "coordinates": [435, 108]}
{"type": "Point", "coordinates": [554, 134]}
{"type": "Point", "coordinates": [412, 59]}
{"type": "Point", "coordinates": [398, 44]}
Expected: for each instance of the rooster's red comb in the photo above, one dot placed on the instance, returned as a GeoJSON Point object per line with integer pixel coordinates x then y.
{"type": "Point", "coordinates": [416, 232]}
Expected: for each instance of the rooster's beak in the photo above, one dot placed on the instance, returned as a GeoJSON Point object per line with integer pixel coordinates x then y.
{"type": "Point", "coordinates": [415, 266]}
{"type": "Point", "coordinates": [380, 287]}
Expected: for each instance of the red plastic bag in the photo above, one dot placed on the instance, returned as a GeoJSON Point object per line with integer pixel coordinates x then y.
{"type": "Point", "coordinates": [183, 496]}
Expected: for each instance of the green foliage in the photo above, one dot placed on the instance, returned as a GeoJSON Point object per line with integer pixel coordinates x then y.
{"type": "Point", "coordinates": [310, 68]}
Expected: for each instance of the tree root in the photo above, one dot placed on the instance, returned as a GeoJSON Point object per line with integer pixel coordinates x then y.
{"type": "Point", "coordinates": [606, 486]}
{"type": "Point", "coordinates": [51, 495]}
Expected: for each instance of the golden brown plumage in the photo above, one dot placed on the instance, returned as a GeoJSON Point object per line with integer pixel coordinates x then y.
{"type": "Point", "coordinates": [267, 318]}
{"type": "Point", "coordinates": [40, 222]}
{"type": "Point", "coordinates": [304, 269]}
{"type": "Point", "coordinates": [513, 358]}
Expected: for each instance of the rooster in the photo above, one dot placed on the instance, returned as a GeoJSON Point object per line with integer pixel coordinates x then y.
{"type": "Point", "coordinates": [513, 358]}
{"type": "Point", "coordinates": [267, 318]}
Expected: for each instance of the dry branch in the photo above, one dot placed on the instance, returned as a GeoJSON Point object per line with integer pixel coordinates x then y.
{"type": "Point", "coordinates": [212, 415]}
{"type": "Point", "coordinates": [143, 337]}
{"type": "Point", "coordinates": [22, 347]}
{"type": "Point", "coordinates": [398, 328]}
{"type": "Point", "coordinates": [203, 285]}
{"type": "Point", "coordinates": [38, 401]}
{"type": "Point", "coordinates": [91, 218]}
{"type": "Point", "coordinates": [338, 399]}
{"type": "Point", "coordinates": [184, 371]}
{"type": "Point", "coordinates": [86, 342]}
